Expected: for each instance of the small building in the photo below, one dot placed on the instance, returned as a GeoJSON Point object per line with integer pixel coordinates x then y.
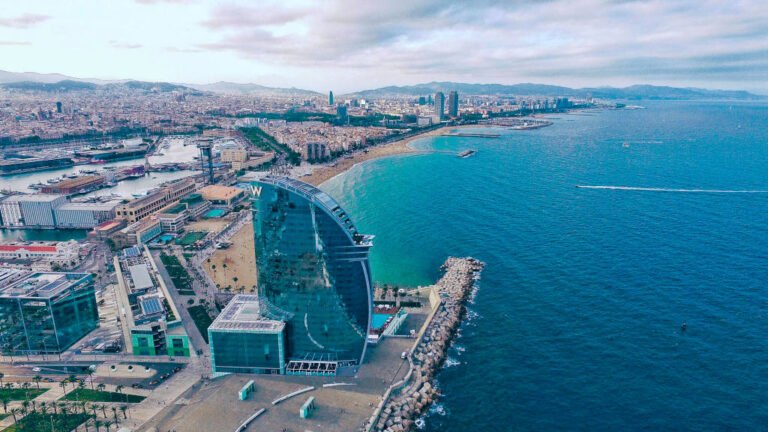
{"type": "Point", "coordinates": [243, 340]}
{"type": "Point", "coordinates": [223, 196]}
{"type": "Point", "coordinates": [75, 185]}
{"type": "Point", "coordinates": [138, 233]}
{"type": "Point", "coordinates": [46, 312]}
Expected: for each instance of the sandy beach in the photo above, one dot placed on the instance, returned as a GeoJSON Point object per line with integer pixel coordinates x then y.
{"type": "Point", "coordinates": [323, 173]}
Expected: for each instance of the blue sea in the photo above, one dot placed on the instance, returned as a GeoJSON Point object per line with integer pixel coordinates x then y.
{"type": "Point", "coordinates": [577, 322]}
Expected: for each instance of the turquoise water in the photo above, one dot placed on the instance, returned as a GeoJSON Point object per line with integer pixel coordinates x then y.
{"type": "Point", "coordinates": [577, 323]}
{"type": "Point", "coordinates": [215, 213]}
{"type": "Point", "coordinates": [378, 320]}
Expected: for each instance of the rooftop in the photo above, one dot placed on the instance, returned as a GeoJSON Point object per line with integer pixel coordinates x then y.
{"type": "Point", "coordinates": [94, 206]}
{"type": "Point", "coordinates": [244, 313]}
{"type": "Point", "coordinates": [41, 285]}
{"type": "Point", "coordinates": [220, 192]}
{"type": "Point", "coordinates": [35, 198]}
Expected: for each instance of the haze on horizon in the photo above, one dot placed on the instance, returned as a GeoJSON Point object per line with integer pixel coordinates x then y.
{"type": "Point", "coordinates": [345, 45]}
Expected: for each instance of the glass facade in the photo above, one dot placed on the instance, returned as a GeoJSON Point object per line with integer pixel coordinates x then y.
{"type": "Point", "coordinates": [313, 270]}
{"type": "Point", "coordinates": [47, 313]}
{"type": "Point", "coordinates": [246, 351]}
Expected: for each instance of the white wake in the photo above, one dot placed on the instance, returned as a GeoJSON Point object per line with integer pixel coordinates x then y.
{"type": "Point", "coordinates": [647, 189]}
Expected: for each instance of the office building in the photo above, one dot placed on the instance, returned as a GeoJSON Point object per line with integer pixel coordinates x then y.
{"type": "Point", "coordinates": [453, 104]}
{"type": "Point", "coordinates": [138, 233]}
{"type": "Point", "coordinates": [45, 313]}
{"type": "Point", "coordinates": [149, 317]}
{"type": "Point", "coordinates": [440, 105]}
{"type": "Point", "coordinates": [155, 200]}
{"type": "Point", "coordinates": [330, 98]}
{"type": "Point", "coordinates": [341, 114]}
{"type": "Point", "coordinates": [314, 274]}
{"type": "Point", "coordinates": [242, 341]}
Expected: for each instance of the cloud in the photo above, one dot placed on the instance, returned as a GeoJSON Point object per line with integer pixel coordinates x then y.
{"type": "Point", "coordinates": [124, 45]}
{"type": "Point", "coordinates": [14, 43]}
{"type": "Point", "coordinates": [23, 21]}
{"type": "Point", "coordinates": [490, 40]}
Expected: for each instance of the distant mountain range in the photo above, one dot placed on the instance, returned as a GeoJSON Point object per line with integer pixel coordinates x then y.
{"type": "Point", "coordinates": [634, 92]}
{"type": "Point", "coordinates": [236, 88]}
{"type": "Point", "coordinates": [58, 82]}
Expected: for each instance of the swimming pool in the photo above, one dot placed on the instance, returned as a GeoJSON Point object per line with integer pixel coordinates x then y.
{"type": "Point", "coordinates": [215, 213]}
{"type": "Point", "coordinates": [378, 320]}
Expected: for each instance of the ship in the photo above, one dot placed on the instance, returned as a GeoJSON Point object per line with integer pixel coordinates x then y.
{"type": "Point", "coordinates": [466, 153]}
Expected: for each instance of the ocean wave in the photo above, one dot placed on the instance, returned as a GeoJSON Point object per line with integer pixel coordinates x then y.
{"type": "Point", "coordinates": [438, 409]}
{"type": "Point", "coordinates": [648, 189]}
{"type": "Point", "coordinates": [451, 362]}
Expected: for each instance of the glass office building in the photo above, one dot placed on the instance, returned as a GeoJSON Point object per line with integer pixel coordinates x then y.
{"type": "Point", "coordinates": [46, 312]}
{"type": "Point", "coordinates": [243, 341]}
{"type": "Point", "coordinates": [313, 273]}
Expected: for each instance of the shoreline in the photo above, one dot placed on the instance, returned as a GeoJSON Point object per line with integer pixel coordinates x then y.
{"type": "Point", "coordinates": [406, 401]}
{"type": "Point", "coordinates": [322, 173]}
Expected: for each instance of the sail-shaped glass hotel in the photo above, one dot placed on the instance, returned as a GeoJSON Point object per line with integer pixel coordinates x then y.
{"type": "Point", "coordinates": [313, 275]}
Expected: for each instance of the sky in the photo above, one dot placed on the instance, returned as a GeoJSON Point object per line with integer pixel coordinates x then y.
{"type": "Point", "coordinates": [350, 45]}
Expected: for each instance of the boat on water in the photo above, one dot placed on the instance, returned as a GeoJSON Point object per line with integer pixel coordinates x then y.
{"type": "Point", "coordinates": [626, 144]}
{"type": "Point", "coordinates": [466, 153]}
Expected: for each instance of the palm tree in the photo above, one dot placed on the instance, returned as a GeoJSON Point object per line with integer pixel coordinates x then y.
{"type": "Point", "coordinates": [103, 410]}
{"type": "Point", "coordinates": [95, 408]}
{"type": "Point", "coordinates": [124, 408]}
{"type": "Point", "coordinates": [26, 387]}
{"type": "Point", "coordinates": [90, 375]}
{"type": "Point", "coordinates": [15, 412]}
{"type": "Point", "coordinates": [25, 406]}
{"type": "Point", "coordinates": [98, 424]}
{"type": "Point", "coordinates": [55, 407]}
{"type": "Point", "coordinates": [44, 407]}
{"type": "Point", "coordinates": [114, 414]}
{"type": "Point", "coordinates": [63, 385]}
{"type": "Point", "coordinates": [101, 386]}
{"type": "Point", "coordinates": [107, 425]}
{"type": "Point", "coordinates": [2, 375]}
{"type": "Point", "coordinates": [37, 379]}
{"type": "Point", "coordinates": [119, 390]}
{"type": "Point", "coordinates": [64, 408]}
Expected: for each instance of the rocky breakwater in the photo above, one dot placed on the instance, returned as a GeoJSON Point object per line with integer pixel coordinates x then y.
{"type": "Point", "coordinates": [401, 410]}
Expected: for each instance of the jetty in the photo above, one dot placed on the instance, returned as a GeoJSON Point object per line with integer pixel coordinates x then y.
{"type": "Point", "coordinates": [471, 134]}
{"type": "Point", "coordinates": [409, 398]}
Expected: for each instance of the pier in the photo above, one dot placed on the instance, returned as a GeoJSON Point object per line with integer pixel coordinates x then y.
{"type": "Point", "coordinates": [409, 398]}
{"type": "Point", "coordinates": [472, 135]}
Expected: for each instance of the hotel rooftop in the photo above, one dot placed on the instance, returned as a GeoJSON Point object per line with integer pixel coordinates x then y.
{"type": "Point", "coordinates": [244, 313]}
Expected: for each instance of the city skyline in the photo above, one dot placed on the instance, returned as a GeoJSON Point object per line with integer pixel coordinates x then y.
{"type": "Point", "coordinates": [687, 44]}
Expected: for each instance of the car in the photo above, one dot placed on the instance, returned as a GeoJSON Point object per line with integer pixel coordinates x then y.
{"type": "Point", "coordinates": [154, 382]}
{"type": "Point", "coordinates": [36, 369]}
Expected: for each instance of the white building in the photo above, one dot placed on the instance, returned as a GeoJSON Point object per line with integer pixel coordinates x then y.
{"type": "Point", "coordinates": [84, 215]}
{"type": "Point", "coordinates": [36, 211]}
{"type": "Point", "coordinates": [61, 253]}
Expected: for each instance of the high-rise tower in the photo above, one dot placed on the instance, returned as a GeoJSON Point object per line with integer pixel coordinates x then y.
{"type": "Point", "coordinates": [440, 105]}
{"type": "Point", "coordinates": [453, 104]}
